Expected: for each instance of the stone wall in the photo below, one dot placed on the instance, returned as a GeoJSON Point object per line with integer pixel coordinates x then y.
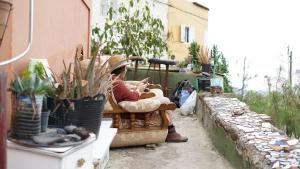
{"type": "Point", "coordinates": [245, 138]}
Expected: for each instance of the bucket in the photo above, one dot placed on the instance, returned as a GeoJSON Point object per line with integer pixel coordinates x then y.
{"type": "Point", "coordinates": [217, 82]}
{"type": "Point", "coordinates": [206, 68]}
{"type": "Point", "coordinates": [203, 83]}
{"type": "Point", "coordinates": [26, 123]}
{"type": "Point", "coordinates": [60, 114]}
{"type": "Point", "coordinates": [89, 112]}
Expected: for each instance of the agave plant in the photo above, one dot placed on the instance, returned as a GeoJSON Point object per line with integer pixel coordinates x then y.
{"type": "Point", "coordinates": [32, 83]}
{"type": "Point", "coordinates": [78, 81]}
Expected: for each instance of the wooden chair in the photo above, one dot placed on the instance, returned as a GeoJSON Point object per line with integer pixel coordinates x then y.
{"type": "Point", "coordinates": [145, 133]}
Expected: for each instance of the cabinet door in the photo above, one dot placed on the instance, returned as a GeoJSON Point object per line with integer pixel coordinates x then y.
{"type": "Point", "coordinates": [20, 159]}
{"type": "Point", "coordinates": [81, 159]}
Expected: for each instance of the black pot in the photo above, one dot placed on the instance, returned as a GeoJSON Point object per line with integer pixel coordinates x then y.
{"type": "Point", "coordinates": [87, 113]}
{"type": "Point", "coordinates": [59, 113]}
{"type": "Point", "coordinates": [206, 68]}
{"type": "Point", "coordinates": [203, 83]}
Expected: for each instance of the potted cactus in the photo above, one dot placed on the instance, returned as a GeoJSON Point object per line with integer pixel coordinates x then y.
{"type": "Point", "coordinates": [27, 96]}
{"type": "Point", "coordinates": [204, 59]}
{"type": "Point", "coordinates": [81, 93]}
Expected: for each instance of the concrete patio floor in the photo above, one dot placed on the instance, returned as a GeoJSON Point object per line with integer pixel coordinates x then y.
{"type": "Point", "coordinates": [197, 153]}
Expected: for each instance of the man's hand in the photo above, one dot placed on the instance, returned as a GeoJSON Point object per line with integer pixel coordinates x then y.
{"type": "Point", "coordinates": [140, 87]}
{"type": "Point", "coordinates": [145, 80]}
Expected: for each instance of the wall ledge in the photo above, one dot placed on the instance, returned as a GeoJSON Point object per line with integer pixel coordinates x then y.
{"type": "Point", "coordinates": [241, 134]}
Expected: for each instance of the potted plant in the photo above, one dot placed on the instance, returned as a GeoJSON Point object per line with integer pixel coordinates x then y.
{"type": "Point", "coordinates": [27, 96]}
{"type": "Point", "coordinates": [194, 52]}
{"type": "Point", "coordinates": [205, 59]}
{"type": "Point", "coordinates": [173, 57]}
{"type": "Point", "coordinates": [216, 82]}
{"type": "Point", "coordinates": [81, 93]}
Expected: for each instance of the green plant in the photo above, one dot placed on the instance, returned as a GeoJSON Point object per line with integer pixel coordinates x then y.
{"type": "Point", "coordinates": [96, 41]}
{"type": "Point", "coordinates": [194, 50]}
{"type": "Point", "coordinates": [221, 67]}
{"type": "Point", "coordinates": [184, 63]}
{"type": "Point", "coordinates": [134, 31]}
{"type": "Point", "coordinates": [81, 82]}
{"type": "Point", "coordinates": [281, 104]}
{"type": "Point", "coordinates": [31, 83]}
{"type": "Point", "coordinates": [173, 57]}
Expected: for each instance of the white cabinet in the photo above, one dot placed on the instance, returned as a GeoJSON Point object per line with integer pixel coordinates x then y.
{"type": "Point", "coordinates": [92, 154]}
{"type": "Point", "coordinates": [79, 157]}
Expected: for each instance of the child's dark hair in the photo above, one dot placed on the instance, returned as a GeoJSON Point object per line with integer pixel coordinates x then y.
{"type": "Point", "coordinates": [118, 71]}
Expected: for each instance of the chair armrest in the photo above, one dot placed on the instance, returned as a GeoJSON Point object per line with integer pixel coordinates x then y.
{"type": "Point", "coordinates": [154, 86]}
{"type": "Point", "coordinates": [146, 95]}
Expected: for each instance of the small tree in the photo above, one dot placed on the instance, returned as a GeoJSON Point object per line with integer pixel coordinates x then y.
{"type": "Point", "coordinates": [221, 66]}
{"type": "Point", "coordinates": [134, 31]}
{"type": "Point", "coordinates": [194, 50]}
{"type": "Point", "coordinates": [245, 78]}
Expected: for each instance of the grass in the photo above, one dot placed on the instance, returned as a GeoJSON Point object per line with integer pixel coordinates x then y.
{"type": "Point", "coordinates": [283, 106]}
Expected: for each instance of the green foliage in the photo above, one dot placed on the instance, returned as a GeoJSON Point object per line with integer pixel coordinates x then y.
{"type": "Point", "coordinates": [221, 67]}
{"type": "Point", "coordinates": [283, 107]}
{"type": "Point", "coordinates": [257, 102]}
{"type": "Point", "coordinates": [194, 50]}
{"type": "Point", "coordinates": [81, 82]}
{"type": "Point", "coordinates": [172, 57]}
{"type": "Point", "coordinates": [32, 83]}
{"type": "Point", "coordinates": [184, 63]}
{"type": "Point", "coordinates": [134, 31]}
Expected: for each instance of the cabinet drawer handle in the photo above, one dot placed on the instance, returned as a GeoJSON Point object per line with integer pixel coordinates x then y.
{"type": "Point", "coordinates": [96, 164]}
{"type": "Point", "coordinates": [80, 162]}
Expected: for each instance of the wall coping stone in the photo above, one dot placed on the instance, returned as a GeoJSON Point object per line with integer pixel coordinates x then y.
{"type": "Point", "coordinates": [257, 140]}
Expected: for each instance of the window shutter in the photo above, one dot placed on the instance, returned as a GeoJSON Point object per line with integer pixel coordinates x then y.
{"type": "Point", "coordinates": [192, 35]}
{"type": "Point", "coordinates": [182, 33]}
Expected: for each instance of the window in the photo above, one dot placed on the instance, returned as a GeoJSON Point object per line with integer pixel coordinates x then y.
{"type": "Point", "coordinates": [187, 34]}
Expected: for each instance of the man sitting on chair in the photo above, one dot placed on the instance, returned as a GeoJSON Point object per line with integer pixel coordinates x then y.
{"type": "Point", "coordinates": [122, 93]}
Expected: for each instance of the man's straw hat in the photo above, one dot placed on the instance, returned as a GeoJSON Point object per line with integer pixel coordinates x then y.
{"type": "Point", "coordinates": [117, 61]}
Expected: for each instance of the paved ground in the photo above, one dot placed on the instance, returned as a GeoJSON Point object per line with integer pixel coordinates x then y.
{"type": "Point", "coordinates": [197, 153]}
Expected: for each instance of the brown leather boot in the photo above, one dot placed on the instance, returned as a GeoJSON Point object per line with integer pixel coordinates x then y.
{"type": "Point", "coordinates": [174, 137]}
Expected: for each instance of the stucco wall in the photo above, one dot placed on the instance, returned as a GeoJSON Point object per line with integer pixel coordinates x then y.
{"type": "Point", "coordinates": [59, 26]}
{"type": "Point", "coordinates": [194, 16]}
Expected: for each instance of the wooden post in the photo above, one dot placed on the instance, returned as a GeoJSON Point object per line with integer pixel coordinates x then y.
{"type": "Point", "coordinates": [165, 88]}
{"type": "Point", "coordinates": [135, 70]}
{"type": "Point", "coordinates": [3, 120]}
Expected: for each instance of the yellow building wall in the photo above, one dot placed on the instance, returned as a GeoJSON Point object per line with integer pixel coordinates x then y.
{"type": "Point", "coordinates": [183, 12]}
